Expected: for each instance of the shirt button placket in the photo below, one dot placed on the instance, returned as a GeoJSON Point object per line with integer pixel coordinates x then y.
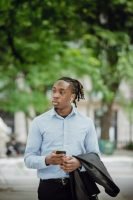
{"type": "Point", "coordinates": [65, 133]}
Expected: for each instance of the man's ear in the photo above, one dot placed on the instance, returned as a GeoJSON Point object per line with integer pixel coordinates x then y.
{"type": "Point", "coordinates": [72, 98]}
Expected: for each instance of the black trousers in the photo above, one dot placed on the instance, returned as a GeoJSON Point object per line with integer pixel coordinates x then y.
{"type": "Point", "coordinates": [52, 190]}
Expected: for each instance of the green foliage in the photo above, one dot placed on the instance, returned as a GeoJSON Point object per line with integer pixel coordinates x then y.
{"type": "Point", "coordinates": [129, 146]}
{"type": "Point", "coordinates": [43, 40]}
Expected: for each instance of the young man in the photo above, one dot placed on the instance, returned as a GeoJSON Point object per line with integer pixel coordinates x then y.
{"type": "Point", "coordinates": [61, 128]}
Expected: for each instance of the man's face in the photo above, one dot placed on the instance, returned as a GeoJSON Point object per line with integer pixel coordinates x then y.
{"type": "Point", "coordinates": [62, 94]}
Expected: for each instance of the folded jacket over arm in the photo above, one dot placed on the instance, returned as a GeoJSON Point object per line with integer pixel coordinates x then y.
{"type": "Point", "coordinates": [97, 173]}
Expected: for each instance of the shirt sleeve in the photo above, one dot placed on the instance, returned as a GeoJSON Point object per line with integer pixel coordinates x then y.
{"type": "Point", "coordinates": [32, 157]}
{"type": "Point", "coordinates": [91, 140]}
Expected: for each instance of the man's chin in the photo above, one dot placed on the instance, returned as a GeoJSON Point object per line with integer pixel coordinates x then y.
{"type": "Point", "coordinates": [56, 105]}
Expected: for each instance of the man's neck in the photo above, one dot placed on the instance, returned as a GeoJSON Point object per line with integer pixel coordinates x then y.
{"type": "Point", "coordinates": [64, 112]}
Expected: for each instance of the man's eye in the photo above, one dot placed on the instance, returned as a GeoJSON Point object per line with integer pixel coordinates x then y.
{"type": "Point", "coordinates": [62, 92]}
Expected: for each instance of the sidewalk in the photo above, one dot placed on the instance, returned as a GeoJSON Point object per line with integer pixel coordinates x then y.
{"type": "Point", "coordinates": [19, 183]}
{"type": "Point", "coordinates": [119, 165]}
{"type": "Point", "coordinates": [119, 156]}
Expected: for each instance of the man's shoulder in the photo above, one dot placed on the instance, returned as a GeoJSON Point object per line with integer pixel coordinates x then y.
{"type": "Point", "coordinates": [43, 116]}
{"type": "Point", "coordinates": [83, 116]}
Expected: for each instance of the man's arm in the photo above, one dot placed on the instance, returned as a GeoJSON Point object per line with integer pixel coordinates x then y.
{"type": "Point", "coordinates": [32, 157]}
{"type": "Point", "coordinates": [91, 140]}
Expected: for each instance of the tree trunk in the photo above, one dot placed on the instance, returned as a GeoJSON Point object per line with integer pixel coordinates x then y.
{"type": "Point", "coordinates": [105, 121]}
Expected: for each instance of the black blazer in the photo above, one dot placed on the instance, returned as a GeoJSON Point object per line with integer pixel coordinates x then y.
{"type": "Point", "coordinates": [83, 184]}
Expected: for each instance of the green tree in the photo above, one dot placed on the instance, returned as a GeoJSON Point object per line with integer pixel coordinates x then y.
{"type": "Point", "coordinates": [104, 38]}
{"type": "Point", "coordinates": [30, 51]}
{"type": "Point", "coordinates": [42, 40]}
{"type": "Point", "coordinates": [108, 30]}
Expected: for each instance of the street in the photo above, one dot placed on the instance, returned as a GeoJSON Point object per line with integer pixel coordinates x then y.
{"type": "Point", "coordinates": [121, 170]}
{"type": "Point", "coordinates": [19, 183]}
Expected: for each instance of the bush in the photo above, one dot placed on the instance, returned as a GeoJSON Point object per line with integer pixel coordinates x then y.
{"type": "Point", "coordinates": [129, 146]}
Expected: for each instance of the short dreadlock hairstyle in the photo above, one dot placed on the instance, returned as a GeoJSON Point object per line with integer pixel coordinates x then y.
{"type": "Point", "coordinates": [77, 88]}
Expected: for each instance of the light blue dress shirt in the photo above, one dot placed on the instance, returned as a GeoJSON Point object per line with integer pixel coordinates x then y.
{"type": "Point", "coordinates": [49, 132]}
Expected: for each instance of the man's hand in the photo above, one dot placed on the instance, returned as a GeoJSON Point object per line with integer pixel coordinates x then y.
{"type": "Point", "coordinates": [54, 159]}
{"type": "Point", "coordinates": [70, 164]}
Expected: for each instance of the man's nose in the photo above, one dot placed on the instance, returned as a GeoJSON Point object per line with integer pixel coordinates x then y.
{"type": "Point", "coordinates": [56, 95]}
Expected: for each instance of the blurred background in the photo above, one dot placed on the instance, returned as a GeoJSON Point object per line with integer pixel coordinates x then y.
{"type": "Point", "coordinates": [42, 40]}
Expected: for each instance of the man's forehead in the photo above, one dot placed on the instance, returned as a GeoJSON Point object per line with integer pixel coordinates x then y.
{"type": "Point", "coordinates": [61, 84]}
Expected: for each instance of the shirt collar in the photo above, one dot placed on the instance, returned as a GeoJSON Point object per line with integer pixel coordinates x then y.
{"type": "Point", "coordinates": [74, 111]}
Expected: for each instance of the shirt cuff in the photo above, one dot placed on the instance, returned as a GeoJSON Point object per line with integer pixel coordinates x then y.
{"type": "Point", "coordinates": [42, 162]}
